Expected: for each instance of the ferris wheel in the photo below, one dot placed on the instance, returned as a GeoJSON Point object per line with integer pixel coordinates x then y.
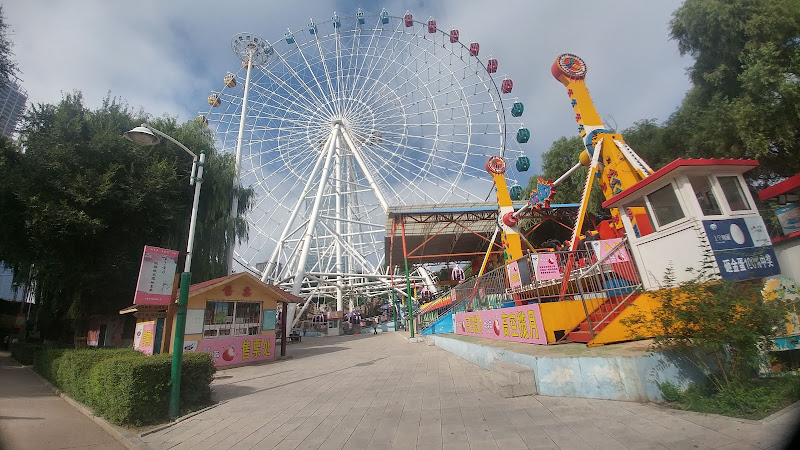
{"type": "Point", "coordinates": [336, 122]}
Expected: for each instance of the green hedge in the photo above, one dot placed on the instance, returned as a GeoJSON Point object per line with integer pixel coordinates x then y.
{"type": "Point", "coordinates": [73, 369]}
{"type": "Point", "coordinates": [125, 386]}
{"type": "Point", "coordinates": [24, 352]}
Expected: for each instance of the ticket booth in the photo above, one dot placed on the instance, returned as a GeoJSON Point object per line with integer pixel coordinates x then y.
{"type": "Point", "coordinates": [334, 323]}
{"type": "Point", "coordinates": [691, 209]}
{"type": "Point", "coordinates": [233, 318]}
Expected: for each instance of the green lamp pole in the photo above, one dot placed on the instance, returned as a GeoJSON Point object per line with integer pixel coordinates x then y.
{"type": "Point", "coordinates": [147, 135]}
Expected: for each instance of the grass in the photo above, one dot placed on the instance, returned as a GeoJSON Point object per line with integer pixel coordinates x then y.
{"type": "Point", "coordinates": [754, 399]}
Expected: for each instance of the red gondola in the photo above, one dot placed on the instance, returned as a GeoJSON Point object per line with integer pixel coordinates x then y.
{"type": "Point", "coordinates": [453, 36]}
{"type": "Point", "coordinates": [491, 66]}
{"type": "Point", "coordinates": [474, 48]}
{"type": "Point", "coordinates": [409, 19]}
{"type": "Point", "coordinates": [431, 26]}
{"type": "Point", "coordinates": [507, 85]}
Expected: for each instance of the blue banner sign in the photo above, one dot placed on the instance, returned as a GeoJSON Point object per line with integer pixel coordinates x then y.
{"type": "Point", "coordinates": [742, 248]}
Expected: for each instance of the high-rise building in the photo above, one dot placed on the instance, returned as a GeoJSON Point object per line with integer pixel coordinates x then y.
{"type": "Point", "coordinates": [12, 105]}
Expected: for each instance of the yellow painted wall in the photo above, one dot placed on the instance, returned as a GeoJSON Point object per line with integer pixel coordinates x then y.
{"type": "Point", "coordinates": [564, 315]}
{"type": "Point", "coordinates": [258, 293]}
{"type": "Point", "coordinates": [616, 331]}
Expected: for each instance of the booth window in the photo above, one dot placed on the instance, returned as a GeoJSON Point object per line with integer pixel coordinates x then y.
{"type": "Point", "coordinates": [665, 205]}
{"type": "Point", "coordinates": [705, 196]}
{"type": "Point", "coordinates": [733, 193]}
{"type": "Point", "coordinates": [227, 319]}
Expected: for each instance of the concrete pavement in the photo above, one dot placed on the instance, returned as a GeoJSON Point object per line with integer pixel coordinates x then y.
{"type": "Point", "coordinates": [366, 391]}
{"type": "Point", "coordinates": [33, 417]}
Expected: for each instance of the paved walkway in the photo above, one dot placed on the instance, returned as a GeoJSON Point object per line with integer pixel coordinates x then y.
{"type": "Point", "coordinates": [33, 417]}
{"type": "Point", "coordinates": [380, 392]}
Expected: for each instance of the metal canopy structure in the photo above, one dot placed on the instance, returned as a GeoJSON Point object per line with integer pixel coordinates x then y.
{"type": "Point", "coordinates": [451, 232]}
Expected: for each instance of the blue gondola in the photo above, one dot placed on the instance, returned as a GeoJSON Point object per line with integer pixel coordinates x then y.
{"type": "Point", "coordinates": [312, 27]}
{"type": "Point", "coordinates": [516, 192]}
{"type": "Point", "coordinates": [384, 17]}
{"type": "Point", "coordinates": [517, 109]}
{"type": "Point", "coordinates": [360, 17]}
{"type": "Point", "coordinates": [523, 164]}
{"type": "Point", "coordinates": [289, 37]}
{"type": "Point", "coordinates": [336, 22]}
{"type": "Point", "coordinates": [523, 134]}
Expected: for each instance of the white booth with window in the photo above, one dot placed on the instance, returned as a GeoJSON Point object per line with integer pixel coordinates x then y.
{"type": "Point", "coordinates": [690, 210]}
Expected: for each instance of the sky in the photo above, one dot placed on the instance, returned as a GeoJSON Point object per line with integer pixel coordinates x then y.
{"type": "Point", "coordinates": [166, 57]}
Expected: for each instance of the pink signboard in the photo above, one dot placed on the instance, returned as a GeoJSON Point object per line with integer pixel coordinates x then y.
{"type": "Point", "coordinates": [518, 324]}
{"type": "Point", "coordinates": [238, 350]}
{"type": "Point", "coordinates": [156, 275]}
{"type": "Point", "coordinates": [604, 247]}
{"type": "Point", "coordinates": [145, 334]}
{"type": "Point", "coordinates": [514, 279]}
{"type": "Point", "coordinates": [546, 265]}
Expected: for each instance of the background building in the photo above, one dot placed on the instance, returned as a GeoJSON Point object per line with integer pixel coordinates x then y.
{"type": "Point", "coordinates": [12, 105]}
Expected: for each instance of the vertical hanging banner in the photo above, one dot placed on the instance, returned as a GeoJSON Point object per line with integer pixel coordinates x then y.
{"type": "Point", "coordinates": [156, 275]}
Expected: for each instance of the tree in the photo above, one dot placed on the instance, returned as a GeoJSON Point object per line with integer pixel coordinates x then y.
{"type": "Point", "coordinates": [561, 157]}
{"type": "Point", "coordinates": [83, 202]}
{"type": "Point", "coordinates": [746, 81]}
{"type": "Point", "coordinates": [7, 65]}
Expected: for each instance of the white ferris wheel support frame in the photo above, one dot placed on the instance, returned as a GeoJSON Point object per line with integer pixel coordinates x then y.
{"type": "Point", "coordinates": [393, 122]}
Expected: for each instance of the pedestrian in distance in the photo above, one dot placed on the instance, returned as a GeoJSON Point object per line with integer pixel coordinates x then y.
{"type": "Point", "coordinates": [375, 325]}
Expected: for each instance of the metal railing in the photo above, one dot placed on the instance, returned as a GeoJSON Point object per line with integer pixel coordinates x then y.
{"type": "Point", "coordinates": [564, 275]}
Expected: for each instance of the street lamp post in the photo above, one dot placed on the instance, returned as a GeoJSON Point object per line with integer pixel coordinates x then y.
{"type": "Point", "coordinates": [147, 135]}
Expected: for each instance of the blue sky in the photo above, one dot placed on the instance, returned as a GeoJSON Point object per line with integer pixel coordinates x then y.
{"type": "Point", "coordinates": [166, 57]}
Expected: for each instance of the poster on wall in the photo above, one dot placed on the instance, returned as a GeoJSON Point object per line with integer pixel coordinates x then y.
{"type": "Point", "coordinates": [518, 324]}
{"type": "Point", "coordinates": [156, 274]}
{"type": "Point", "coordinates": [194, 320]}
{"type": "Point", "coordinates": [144, 337]}
{"type": "Point", "coordinates": [742, 248]}
{"type": "Point", "coordinates": [789, 218]}
{"type": "Point", "coordinates": [238, 350]}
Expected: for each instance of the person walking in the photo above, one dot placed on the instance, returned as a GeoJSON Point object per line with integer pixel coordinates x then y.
{"type": "Point", "coordinates": [375, 325]}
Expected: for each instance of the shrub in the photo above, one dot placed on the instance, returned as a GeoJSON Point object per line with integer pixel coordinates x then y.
{"type": "Point", "coordinates": [46, 363]}
{"type": "Point", "coordinates": [752, 399]}
{"type": "Point", "coordinates": [125, 386]}
{"type": "Point", "coordinates": [719, 325]}
{"type": "Point", "coordinates": [23, 352]}
{"type": "Point", "coordinates": [74, 366]}
{"type": "Point", "coordinates": [135, 391]}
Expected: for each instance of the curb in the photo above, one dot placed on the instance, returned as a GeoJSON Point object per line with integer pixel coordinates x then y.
{"type": "Point", "coordinates": [123, 436]}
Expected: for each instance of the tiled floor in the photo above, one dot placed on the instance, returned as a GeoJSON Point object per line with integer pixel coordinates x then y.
{"type": "Point", "coordinates": [381, 392]}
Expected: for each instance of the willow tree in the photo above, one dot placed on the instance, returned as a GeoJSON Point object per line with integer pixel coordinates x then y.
{"type": "Point", "coordinates": [84, 202]}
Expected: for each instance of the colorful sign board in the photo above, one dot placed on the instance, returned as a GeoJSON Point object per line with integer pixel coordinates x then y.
{"type": "Point", "coordinates": [518, 324]}
{"type": "Point", "coordinates": [156, 275]}
{"type": "Point", "coordinates": [603, 247]}
{"type": "Point", "coordinates": [545, 265]}
{"type": "Point", "coordinates": [238, 350]}
{"type": "Point", "coordinates": [514, 279]}
{"type": "Point", "coordinates": [789, 217]}
{"type": "Point", "coordinates": [144, 337]}
{"type": "Point", "coordinates": [742, 248]}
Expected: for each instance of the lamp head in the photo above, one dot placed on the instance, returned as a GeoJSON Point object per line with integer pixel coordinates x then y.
{"type": "Point", "coordinates": [141, 135]}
